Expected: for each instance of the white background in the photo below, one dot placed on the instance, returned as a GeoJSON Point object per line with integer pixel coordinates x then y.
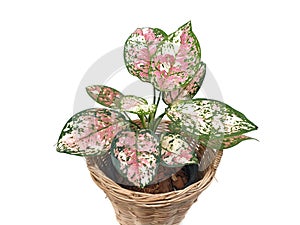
{"type": "Point", "coordinates": [252, 48]}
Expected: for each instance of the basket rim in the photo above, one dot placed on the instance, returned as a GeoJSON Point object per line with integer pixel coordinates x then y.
{"type": "Point", "coordinates": [195, 188]}
{"type": "Point", "coordinates": [201, 184]}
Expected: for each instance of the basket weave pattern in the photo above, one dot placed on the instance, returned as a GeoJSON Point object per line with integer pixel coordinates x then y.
{"type": "Point", "coordinates": [137, 208]}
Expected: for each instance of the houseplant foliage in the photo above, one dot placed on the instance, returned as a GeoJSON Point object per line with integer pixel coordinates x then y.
{"type": "Point", "coordinates": [172, 64]}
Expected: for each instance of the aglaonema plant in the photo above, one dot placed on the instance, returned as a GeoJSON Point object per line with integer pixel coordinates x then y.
{"type": "Point", "coordinates": [172, 64]}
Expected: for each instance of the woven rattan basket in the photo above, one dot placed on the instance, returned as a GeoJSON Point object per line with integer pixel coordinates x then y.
{"type": "Point", "coordinates": [137, 208]}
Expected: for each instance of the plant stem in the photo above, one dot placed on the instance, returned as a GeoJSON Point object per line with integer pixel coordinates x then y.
{"type": "Point", "coordinates": [154, 95]}
{"type": "Point", "coordinates": [142, 118]}
{"type": "Point", "coordinates": [159, 97]}
{"type": "Point", "coordinates": [157, 121]}
{"type": "Point", "coordinates": [151, 118]}
{"type": "Point", "coordinates": [157, 103]}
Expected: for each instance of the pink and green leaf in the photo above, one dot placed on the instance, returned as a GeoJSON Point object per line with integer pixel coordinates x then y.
{"type": "Point", "coordinates": [139, 48]}
{"type": "Point", "coordinates": [135, 155]}
{"type": "Point", "coordinates": [205, 118]}
{"type": "Point", "coordinates": [114, 99]}
{"type": "Point", "coordinates": [227, 142]}
{"type": "Point", "coordinates": [189, 91]}
{"type": "Point", "coordinates": [176, 60]}
{"type": "Point", "coordinates": [137, 105]}
{"type": "Point", "coordinates": [90, 132]}
{"type": "Point", "coordinates": [104, 95]}
{"type": "Point", "coordinates": [175, 151]}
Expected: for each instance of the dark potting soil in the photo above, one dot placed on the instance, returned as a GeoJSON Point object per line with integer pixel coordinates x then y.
{"type": "Point", "coordinates": [167, 179]}
{"type": "Point", "coordinates": [177, 180]}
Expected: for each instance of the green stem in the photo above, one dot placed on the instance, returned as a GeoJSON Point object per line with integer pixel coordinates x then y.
{"type": "Point", "coordinates": [150, 120]}
{"type": "Point", "coordinates": [142, 118]}
{"type": "Point", "coordinates": [157, 103]}
{"type": "Point", "coordinates": [154, 95]}
{"type": "Point", "coordinates": [159, 97]}
{"type": "Point", "coordinates": [158, 120]}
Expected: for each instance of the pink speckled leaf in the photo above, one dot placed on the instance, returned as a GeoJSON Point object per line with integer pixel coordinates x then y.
{"type": "Point", "coordinates": [90, 132]}
{"type": "Point", "coordinates": [139, 48]}
{"type": "Point", "coordinates": [135, 155]}
{"type": "Point", "coordinates": [137, 105]}
{"type": "Point", "coordinates": [176, 60]}
{"type": "Point", "coordinates": [227, 142]}
{"type": "Point", "coordinates": [189, 91]}
{"type": "Point", "coordinates": [175, 151]}
{"type": "Point", "coordinates": [205, 118]}
{"type": "Point", "coordinates": [104, 95]}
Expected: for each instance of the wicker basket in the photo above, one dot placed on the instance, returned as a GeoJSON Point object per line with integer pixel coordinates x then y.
{"type": "Point", "coordinates": [137, 208]}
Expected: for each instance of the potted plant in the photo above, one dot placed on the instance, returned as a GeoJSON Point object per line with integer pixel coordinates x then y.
{"type": "Point", "coordinates": [154, 167]}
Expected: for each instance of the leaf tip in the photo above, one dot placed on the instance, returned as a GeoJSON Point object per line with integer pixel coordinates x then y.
{"type": "Point", "coordinates": [254, 126]}
{"type": "Point", "coordinates": [189, 24]}
{"type": "Point", "coordinates": [89, 89]}
{"type": "Point", "coordinates": [58, 149]}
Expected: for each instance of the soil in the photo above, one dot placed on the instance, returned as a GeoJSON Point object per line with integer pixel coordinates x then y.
{"type": "Point", "coordinates": [177, 180]}
{"type": "Point", "coordinates": [167, 179]}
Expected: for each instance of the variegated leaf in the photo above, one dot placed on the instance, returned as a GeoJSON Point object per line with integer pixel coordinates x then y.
{"type": "Point", "coordinates": [189, 91]}
{"type": "Point", "coordinates": [176, 60]}
{"type": "Point", "coordinates": [175, 151]}
{"type": "Point", "coordinates": [227, 142]}
{"type": "Point", "coordinates": [90, 132]}
{"type": "Point", "coordinates": [137, 105]}
{"type": "Point", "coordinates": [104, 95]}
{"type": "Point", "coordinates": [206, 118]}
{"type": "Point", "coordinates": [135, 155]}
{"type": "Point", "coordinates": [139, 48]}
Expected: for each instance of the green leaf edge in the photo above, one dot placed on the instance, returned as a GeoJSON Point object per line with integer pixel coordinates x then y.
{"type": "Point", "coordinates": [116, 161]}
{"type": "Point", "coordinates": [167, 38]}
{"type": "Point", "coordinates": [182, 89]}
{"type": "Point", "coordinates": [134, 112]}
{"type": "Point", "coordinates": [121, 94]}
{"type": "Point", "coordinates": [66, 151]}
{"type": "Point", "coordinates": [230, 146]}
{"type": "Point", "coordinates": [177, 165]}
{"type": "Point", "coordinates": [126, 62]}
{"type": "Point", "coordinates": [241, 115]}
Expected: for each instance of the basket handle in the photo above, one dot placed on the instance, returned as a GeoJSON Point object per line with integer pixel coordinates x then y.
{"type": "Point", "coordinates": [218, 158]}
